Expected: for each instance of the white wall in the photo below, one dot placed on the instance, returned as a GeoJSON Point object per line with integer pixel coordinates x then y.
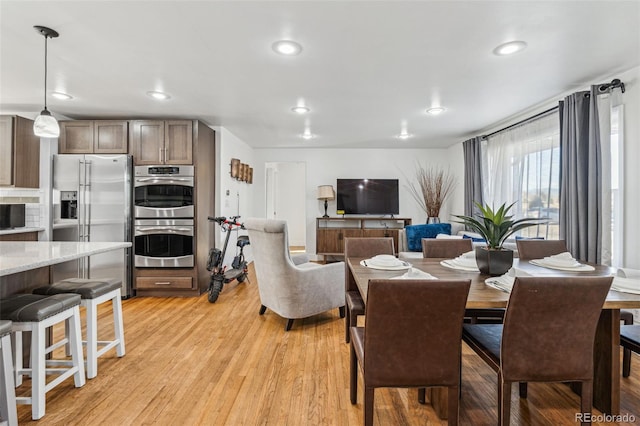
{"type": "Point", "coordinates": [324, 166]}
{"type": "Point", "coordinates": [232, 196]}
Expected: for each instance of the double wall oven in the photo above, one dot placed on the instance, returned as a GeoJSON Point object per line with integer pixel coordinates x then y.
{"type": "Point", "coordinates": [164, 214]}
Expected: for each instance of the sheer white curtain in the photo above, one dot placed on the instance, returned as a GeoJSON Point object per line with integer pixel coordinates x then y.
{"type": "Point", "coordinates": [521, 165]}
{"type": "Point", "coordinates": [610, 116]}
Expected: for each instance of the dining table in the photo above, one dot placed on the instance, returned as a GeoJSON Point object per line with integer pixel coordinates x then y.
{"type": "Point", "coordinates": [606, 385]}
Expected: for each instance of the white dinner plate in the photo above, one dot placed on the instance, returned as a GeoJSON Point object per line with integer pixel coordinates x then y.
{"type": "Point", "coordinates": [404, 265]}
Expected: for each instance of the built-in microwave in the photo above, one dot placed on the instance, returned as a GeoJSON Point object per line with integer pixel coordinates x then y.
{"type": "Point", "coordinates": [163, 192]}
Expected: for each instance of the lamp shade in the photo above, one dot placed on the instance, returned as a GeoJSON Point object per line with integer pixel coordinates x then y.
{"type": "Point", "coordinates": [325, 192]}
{"type": "Point", "coordinates": [46, 126]}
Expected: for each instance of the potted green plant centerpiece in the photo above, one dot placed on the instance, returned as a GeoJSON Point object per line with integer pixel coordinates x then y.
{"type": "Point", "coordinates": [495, 227]}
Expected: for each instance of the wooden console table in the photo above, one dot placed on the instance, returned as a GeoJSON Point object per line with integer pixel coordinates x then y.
{"type": "Point", "coordinates": [331, 231]}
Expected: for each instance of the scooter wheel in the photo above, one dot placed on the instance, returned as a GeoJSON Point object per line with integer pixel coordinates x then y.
{"type": "Point", "coordinates": [215, 287]}
{"type": "Point", "coordinates": [241, 278]}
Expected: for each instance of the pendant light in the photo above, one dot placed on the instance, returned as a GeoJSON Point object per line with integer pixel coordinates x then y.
{"type": "Point", "coordinates": [46, 126]}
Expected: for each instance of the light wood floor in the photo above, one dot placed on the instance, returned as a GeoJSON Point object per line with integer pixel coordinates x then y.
{"type": "Point", "coordinates": [190, 362]}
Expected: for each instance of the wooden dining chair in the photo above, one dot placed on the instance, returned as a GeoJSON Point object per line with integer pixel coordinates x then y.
{"type": "Point", "coordinates": [411, 339]}
{"type": "Point", "coordinates": [538, 249]}
{"type": "Point", "coordinates": [360, 247]}
{"type": "Point", "coordinates": [548, 336]}
{"type": "Point", "coordinates": [445, 248]}
{"type": "Point", "coordinates": [451, 248]}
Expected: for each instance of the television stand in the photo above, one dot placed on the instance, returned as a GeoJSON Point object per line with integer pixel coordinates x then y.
{"type": "Point", "coordinates": [331, 231]}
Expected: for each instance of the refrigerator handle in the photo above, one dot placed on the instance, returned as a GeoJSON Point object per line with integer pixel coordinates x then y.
{"type": "Point", "coordinates": [79, 211]}
{"type": "Point", "coordinates": [87, 188]}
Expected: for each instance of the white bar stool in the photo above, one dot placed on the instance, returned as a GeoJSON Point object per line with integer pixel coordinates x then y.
{"type": "Point", "coordinates": [35, 313]}
{"type": "Point", "coordinates": [93, 293]}
{"type": "Point", "coordinates": [8, 413]}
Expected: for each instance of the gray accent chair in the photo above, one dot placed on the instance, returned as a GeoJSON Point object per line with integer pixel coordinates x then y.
{"type": "Point", "coordinates": [290, 289]}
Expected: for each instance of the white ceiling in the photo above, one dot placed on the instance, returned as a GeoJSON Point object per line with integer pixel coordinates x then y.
{"type": "Point", "coordinates": [365, 69]}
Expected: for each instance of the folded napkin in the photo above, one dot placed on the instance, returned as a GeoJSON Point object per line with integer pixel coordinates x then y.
{"type": "Point", "coordinates": [415, 274]}
{"type": "Point", "coordinates": [448, 237]}
{"type": "Point", "coordinates": [464, 262]}
{"type": "Point", "coordinates": [505, 282]}
{"type": "Point", "coordinates": [628, 273]}
{"type": "Point", "coordinates": [563, 261]}
{"type": "Point", "coordinates": [626, 285]}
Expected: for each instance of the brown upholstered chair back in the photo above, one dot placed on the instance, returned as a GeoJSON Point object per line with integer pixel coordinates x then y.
{"type": "Point", "coordinates": [549, 328]}
{"type": "Point", "coordinates": [449, 248]}
{"type": "Point", "coordinates": [413, 332]}
{"type": "Point", "coordinates": [365, 247]}
{"type": "Point", "coordinates": [537, 249]}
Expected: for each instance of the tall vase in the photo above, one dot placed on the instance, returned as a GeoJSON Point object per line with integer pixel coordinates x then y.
{"type": "Point", "coordinates": [433, 220]}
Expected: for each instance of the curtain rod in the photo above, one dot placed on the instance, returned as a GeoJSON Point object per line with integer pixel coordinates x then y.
{"type": "Point", "coordinates": [522, 121]}
{"type": "Point", "coordinates": [603, 88]}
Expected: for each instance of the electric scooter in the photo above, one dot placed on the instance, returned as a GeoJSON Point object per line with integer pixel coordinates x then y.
{"type": "Point", "coordinates": [220, 275]}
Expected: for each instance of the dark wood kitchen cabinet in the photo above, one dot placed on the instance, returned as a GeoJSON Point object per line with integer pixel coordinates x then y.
{"type": "Point", "coordinates": [93, 137]}
{"type": "Point", "coordinates": [162, 142]}
{"type": "Point", "coordinates": [19, 153]}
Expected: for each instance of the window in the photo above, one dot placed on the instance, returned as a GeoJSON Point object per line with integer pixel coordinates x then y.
{"type": "Point", "coordinates": [521, 165]}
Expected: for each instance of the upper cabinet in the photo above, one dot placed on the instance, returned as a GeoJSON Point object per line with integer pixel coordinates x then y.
{"type": "Point", "coordinates": [162, 142]}
{"type": "Point", "coordinates": [93, 137]}
{"type": "Point", "coordinates": [19, 153]}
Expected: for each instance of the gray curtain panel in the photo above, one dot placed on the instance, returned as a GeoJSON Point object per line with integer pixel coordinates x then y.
{"type": "Point", "coordinates": [580, 176]}
{"type": "Point", "coordinates": [472, 174]}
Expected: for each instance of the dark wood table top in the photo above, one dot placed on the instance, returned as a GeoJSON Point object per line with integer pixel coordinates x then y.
{"type": "Point", "coordinates": [480, 295]}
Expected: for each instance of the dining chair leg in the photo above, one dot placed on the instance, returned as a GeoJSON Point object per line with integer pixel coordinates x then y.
{"type": "Point", "coordinates": [422, 395]}
{"type": "Point", "coordinates": [453, 405]}
{"type": "Point", "coordinates": [522, 389]}
{"type": "Point", "coordinates": [626, 362]}
{"type": "Point", "coordinates": [353, 373]}
{"type": "Point", "coordinates": [504, 402]}
{"type": "Point", "coordinates": [586, 399]}
{"type": "Point", "coordinates": [347, 326]}
{"type": "Point", "coordinates": [369, 395]}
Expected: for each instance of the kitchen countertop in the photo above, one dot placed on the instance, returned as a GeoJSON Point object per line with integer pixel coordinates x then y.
{"type": "Point", "coordinates": [21, 230]}
{"type": "Point", "coordinates": [20, 256]}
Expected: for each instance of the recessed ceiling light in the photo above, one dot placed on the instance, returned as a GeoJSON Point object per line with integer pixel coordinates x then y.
{"type": "Point", "coordinates": [62, 96]}
{"type": "Point", "coordinates": [300, 109]}
{"type": "Point", "coordinates": [287, 47]}
{"type": "Point", "coordinates": [307, 135]}
{"type": "Point", "coordinates": [436, 110]}
{"type": "Point", "coordinates": [509, 48]}
{"type": "Point", "coordinates": [404, 135]}
{"type": "Point", "coordinates": [159, 95]}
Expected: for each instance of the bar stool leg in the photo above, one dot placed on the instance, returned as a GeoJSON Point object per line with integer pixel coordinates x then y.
{"type": "Point", "coordinates": [118, 326]}
{"type": "Point", "coordinates": [17, 357]}
{"type": "Point", "coordinates": [92, 339]}
{"type": "Point", "coordinates": [75, 335]}
{"type": "Point", "coordinates": [38, 373]}
{"type": "Point", "coordinates": [8, 400]}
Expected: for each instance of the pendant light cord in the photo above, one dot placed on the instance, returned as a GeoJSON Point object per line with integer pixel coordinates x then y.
{"type": "Point", "coordinates": [45, 72]}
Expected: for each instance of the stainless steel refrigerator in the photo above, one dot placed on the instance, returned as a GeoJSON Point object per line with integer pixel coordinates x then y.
{"type": "Point", "coordinates": [92, 202]}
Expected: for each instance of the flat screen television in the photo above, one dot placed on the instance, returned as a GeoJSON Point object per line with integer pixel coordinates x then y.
{"type": "Point", "coordinates": [367, 196]}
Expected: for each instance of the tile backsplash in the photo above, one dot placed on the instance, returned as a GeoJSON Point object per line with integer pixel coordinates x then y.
{"type": "Point", "coordinates": [34, 210]}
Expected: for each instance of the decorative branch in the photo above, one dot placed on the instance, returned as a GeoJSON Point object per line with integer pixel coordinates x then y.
{"type": "Point", "coordinates": [434, 185]}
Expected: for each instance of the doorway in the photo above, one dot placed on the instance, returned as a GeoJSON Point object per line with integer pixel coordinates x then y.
{"type": "Point", "coordinates": [285, 199]}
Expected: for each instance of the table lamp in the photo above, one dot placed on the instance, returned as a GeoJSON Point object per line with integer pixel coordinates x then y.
{"type": "Point", "coordinates": [325, 192]}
